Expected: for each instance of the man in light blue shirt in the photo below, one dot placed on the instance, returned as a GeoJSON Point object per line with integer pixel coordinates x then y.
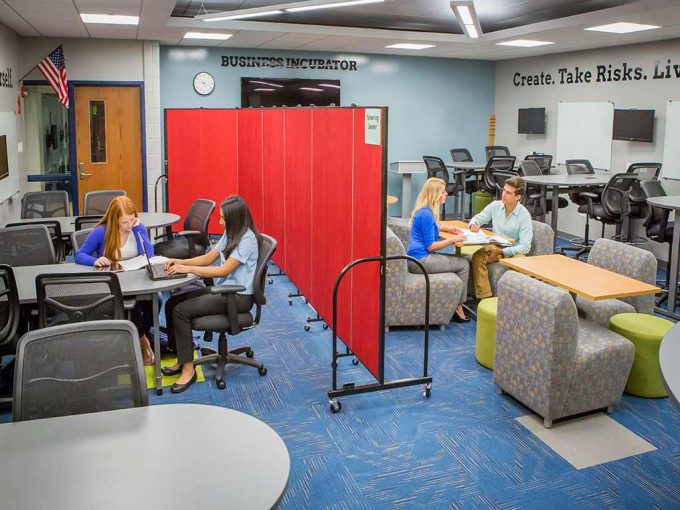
{"type": "Point", "coordinates": [509, 218]}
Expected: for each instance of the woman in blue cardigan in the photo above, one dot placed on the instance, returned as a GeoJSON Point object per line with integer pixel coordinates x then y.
{"type": "Point", "coordinates": [118, 236]}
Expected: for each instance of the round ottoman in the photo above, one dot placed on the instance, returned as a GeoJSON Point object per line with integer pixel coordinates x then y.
{"type": "Point", "coordinates": [485, 342]}
{"type": "Point", "coordinates": [646, 332]}
{"type": "Point", "coordinates": [480, 200]}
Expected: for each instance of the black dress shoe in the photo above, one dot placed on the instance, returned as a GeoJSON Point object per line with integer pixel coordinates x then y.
{"type": "Point", "coordinates": [458, 318]}
{"type": "Point", "coordinates": [179, 388]}
{"type": "Point", "coordinates": [171, 371]}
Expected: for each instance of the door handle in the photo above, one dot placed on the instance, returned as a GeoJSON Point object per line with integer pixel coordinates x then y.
{"type": "Point", "coordinates": [83, 175]}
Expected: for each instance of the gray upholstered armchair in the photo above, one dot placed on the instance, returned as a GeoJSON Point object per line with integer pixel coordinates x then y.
{"type": "Point", "coordinates": [550, 360]}
{"type": "Point", "coordinates": [626, 260]}
{"type": "Point", "coordinates": [405, 291]}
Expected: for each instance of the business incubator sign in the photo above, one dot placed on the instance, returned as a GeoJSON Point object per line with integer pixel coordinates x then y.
{"type": "Point", "coordinates": [289, 63]}
{"type": "Point", "coordinates": [601, 73]}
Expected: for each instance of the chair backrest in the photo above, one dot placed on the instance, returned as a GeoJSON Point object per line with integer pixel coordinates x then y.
{"type": "Point", "coordinates": [460, 155]}
{"type": "Point", "coordinates": [198, 218]}
{"type": "Point", "coordinates": [54, 228]}
{"type": "Point", "coordinates": [9, 306]}
{"type": "Point", "coordinates": [645, 170]}
{"type": "Point", "coordinates": [615, 196]}
{"type": "Point", "coordinates": [529, 167]}
{"type": "Point", "coordinates": [78, 238]}
{"type": "Point", "coordinates": [265, 251]}
{"type": "Point", "coordinates": [90, 221]}
{"type": "Point", "coordinates": [543, 239]}
{"type": "Point", "coordinates": [498, 169]}
{"type": "Point", "coordinates": [97, 202]}
{"type": "Point", "coordinates": [78, 297]}
{"type": "Point", "coordinates": [496, 150]}
{"type": "Point", "coordinates": [401, 227]}
{"type": "Point", "coordinates": [629, 261]}
{"type": "Point", "coordinates": [44, 204]}
{"type": "Point", "coordinates": [26, 245]}
{"type": "Point", "coordinates": [78, 368]}
{"type": "Point", "coordinates": [544, 161]}
{"type": "Point", "coordinates": [579, 166]}
{"type": "Point", "coordinates": [436, 168]}
{"type": "Point", "coordinates": [656, 217]}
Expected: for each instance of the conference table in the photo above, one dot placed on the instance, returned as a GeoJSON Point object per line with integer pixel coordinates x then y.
{"type": "Point", "coordinates": [672, 203]}
{"type": "Point", "coordinates": [172, 457]}
{"type": "Point", "coordinates": [148, 219]}
{"type": "Point", "coordinates": [669, 361]}
{"type": "Point", "coordinates": [132, 283]}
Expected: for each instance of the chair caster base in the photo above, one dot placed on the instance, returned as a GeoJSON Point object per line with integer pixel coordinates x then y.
{"type": "Point", "coordinates": [220, 384]}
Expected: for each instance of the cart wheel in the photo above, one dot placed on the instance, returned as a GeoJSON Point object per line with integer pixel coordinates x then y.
{"type": "Point", "coordinates": [290, 302]}
{"type": "Point", "coordinates": [428, 390]}
{"type": "Point", "coordinates": [270, 281]}
{"type": "Point", "coordinates": [250, 353]}
{"type": "Point", "coordinates": [307, 327]}
{"type": "Point", "coordinates": [325, 326]}
{"type": "Point", "coordinates": [355, 361]}
{"type": "Point", "coordinates": [335, 406]}
{"type": "Point", "coordinates": [262, 371]}
{"type": "Point", "coordinates": [221, 384]}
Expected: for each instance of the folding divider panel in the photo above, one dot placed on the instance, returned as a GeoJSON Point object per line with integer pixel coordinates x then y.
{"type": "Point", "coordinates": [367, 235]}
{"type": "Point", "coordinates": [298, 192]}
{"type": "Point", "coordinates": [183, 152]}
{"type": "Point", "coordinates": [250, 161]}
{"type": "Point", "coordinates": [273, 187]}
{"type": "Point", "coordinates": [219, 156]}
{"type": "Point", "coordinates": [332, 138]}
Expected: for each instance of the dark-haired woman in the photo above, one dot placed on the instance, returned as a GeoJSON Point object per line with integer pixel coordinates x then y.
{"type": "Point", "coordinates": [237, 251]}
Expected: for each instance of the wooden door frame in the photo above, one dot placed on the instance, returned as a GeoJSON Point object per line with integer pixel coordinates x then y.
{"type": "Point", "coordinates": [72, 132]}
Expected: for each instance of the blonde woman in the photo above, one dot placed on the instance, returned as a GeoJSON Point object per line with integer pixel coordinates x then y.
{"type": "Point", "coordinates": [424, 242]}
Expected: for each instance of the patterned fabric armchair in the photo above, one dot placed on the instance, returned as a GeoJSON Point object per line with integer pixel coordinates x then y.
{"type": "Point", "coordinates": [550, 360]}
{"type": "Point", "coordinates": [626, 260]}
{"type": "Point", "coordinates": [405, 291]}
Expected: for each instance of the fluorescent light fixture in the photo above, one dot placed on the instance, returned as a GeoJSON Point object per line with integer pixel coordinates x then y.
{"type": "Point", "coordinates": [471, 31]}
{"type": "Point", "coordinates": [207, 35]}
{"type": "Point", "coordinates": [268, 84]}
{"type": "Point", "coordinates": [245, 15]}
{"type": "Point", "coordinates": [409, 46]}
{"type": "Point", "coordinates": [329, 85]}
{"type": "Point", "coordinates": [311, 89]}
{"type": "Point", "coordinates": [110, 19]}
{"type": "Point", "coordinates": [622, 28]}
{"type": "Point", "coordinates": [332, 5]}
{"type": "Point", "coordinates": [466, 15]}
{"type": "Point", "coordinates": [264, 90]}
{"type": "Point", "coordinates": [524, 43]}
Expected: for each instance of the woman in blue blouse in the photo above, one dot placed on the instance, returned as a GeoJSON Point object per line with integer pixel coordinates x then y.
{"type": "Point", "coordinates": [425, 243]}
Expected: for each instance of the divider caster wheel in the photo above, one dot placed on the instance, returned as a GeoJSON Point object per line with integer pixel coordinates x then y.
{"type": "Point", "coordinates": [428, 390]}
{"type": "Point", "coordinates": [307, 327]}
{"type": "Point", "coordinates": [270, 281]}
{"type": "Point", "coordinates": [221, 384]}
{"type": "Point", "coordinates": [250, 353]}
{"type": "Point", "coordinates": [335, 406]}
{"type": "Point", "coordinates": [325, 326]}
{"type": "Point", "coordinates": [290, 302]}
{"type": "Point", "coordinates": [262, 371]}
{"type": "Point", "coordinates": [355, 361]}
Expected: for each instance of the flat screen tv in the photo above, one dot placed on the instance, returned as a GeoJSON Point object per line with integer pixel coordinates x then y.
{"type": "Point", "coordinates": [258, 92]}
{"type": "Point", "coordinates": [4, 160]}
{"type": "Point", "coordinates": [531, 121]}
{"type": "Point", "coordinates": [634, 125]}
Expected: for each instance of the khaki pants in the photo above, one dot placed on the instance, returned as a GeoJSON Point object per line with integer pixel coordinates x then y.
{"type": "Point", "coordinates": [480, 272]}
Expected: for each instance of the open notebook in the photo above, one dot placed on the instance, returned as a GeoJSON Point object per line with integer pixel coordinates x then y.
{"type": "Point", "coordinates": [139, 262]}
{"type": "Point", "coordinates": [482, 238]}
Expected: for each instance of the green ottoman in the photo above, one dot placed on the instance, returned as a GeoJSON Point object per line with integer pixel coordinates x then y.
{"type": "Point", "coordinates": [480, 200]}
{"type": "Point", "coordinates": [485, 343]}
{"type": "Point", "coordinates": [646, 332]}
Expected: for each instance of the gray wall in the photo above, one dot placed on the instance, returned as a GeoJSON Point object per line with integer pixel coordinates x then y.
{"type": "Point", "coordinates": [434, 104]}
{"type": "Point", "coordinates": [644, 93]}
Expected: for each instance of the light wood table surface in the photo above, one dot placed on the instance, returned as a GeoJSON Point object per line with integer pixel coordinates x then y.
{"type": "Point", "coordinates": [586, 280]}
{"type": "Point", "coordinates": [462, 224]}
{"type": "Point", "coordinates": [391, 199]}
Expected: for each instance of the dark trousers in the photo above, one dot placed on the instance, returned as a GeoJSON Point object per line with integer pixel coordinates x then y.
{"type": "Point", "coordinates": [143, 318]}
{"type": "Point", "coordinates": [181, 309]}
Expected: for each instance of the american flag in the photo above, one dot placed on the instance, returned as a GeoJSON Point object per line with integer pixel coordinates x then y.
{"type": "Point", "coordinates": [53, 68]}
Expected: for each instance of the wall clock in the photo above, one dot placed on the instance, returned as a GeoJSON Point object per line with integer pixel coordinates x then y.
{"type": "Point", "coordinates": [204, 83]}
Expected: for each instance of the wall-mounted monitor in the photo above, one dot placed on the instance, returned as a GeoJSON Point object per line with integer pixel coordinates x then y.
{"type": "Point", "coordinates": [4, 158]}
{"type": "Point", "coordinates": [258, 92]}
{"type": "Point", "coordinates": [634, 125]}
{"type": "Point", "coordinates": [531, 121]}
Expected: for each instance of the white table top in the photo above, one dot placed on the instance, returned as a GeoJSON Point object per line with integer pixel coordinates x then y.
{"type": "Point", "coordinates": [668, 202]}
{"type": "Point", "coordinates": [169, 457]}
{"type": "Point", "coordinates": [597, 179]}
{"type": "Point", "coordinates": [669, 360]}
{"type": "Point", "coordinates": [148, 219]}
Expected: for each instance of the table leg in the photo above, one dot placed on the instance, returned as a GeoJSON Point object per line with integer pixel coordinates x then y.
{"type": "Point", "coordinates": [405, 195]}
{"type": "Point", "coordinates": [673, 276]}
{"type": "Point", "coordinates": [156, 343]}
{"type": "Point", "coordinates": [553, 214]}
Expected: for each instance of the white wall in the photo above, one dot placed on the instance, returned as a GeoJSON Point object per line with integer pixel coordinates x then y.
{"type": "Point", "coordinates": [645, 93]}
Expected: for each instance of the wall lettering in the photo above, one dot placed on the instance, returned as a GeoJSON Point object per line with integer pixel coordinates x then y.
{"type": "Point", "coordinates": [289, 63]}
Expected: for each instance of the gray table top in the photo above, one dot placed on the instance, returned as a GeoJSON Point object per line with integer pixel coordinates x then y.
{"type": "Point", "coordinates": [669, 360]}
{"type": "Point", "coordinates": [207, 456]}
{"type": "Point", "coordinates": [132, 283]}
{"type": "Point", "coordinates": [669, 202]}
{"type": "Point", "coordinates": [597, 179]}
{"type": "Point", "coordinates": [148, 219]}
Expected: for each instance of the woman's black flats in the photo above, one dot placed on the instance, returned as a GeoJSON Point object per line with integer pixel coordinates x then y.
{"type": "Point", "coordinates": [458, 318]}
{"type": "Point", "coordinates": [179, 388]}
{"type": "Point", "coordinates": [171, 371]}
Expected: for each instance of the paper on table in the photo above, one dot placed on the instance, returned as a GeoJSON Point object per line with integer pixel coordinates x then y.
{"type": "Point", "coordinates": [481, 238]}
{"type": "Point", "coordinates": [140, 261]}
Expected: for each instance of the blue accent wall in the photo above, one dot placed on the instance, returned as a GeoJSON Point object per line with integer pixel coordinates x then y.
{"type": "Point", "coordinates": [434, 104]}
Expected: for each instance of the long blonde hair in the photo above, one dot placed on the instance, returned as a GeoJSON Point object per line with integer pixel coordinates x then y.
{"type": "Point", "coordinates": [118, 207]}
{"type": "Point", "coordinates": [429, 196]}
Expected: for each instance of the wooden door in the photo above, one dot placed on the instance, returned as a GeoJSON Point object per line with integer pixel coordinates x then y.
{"type": "Point", "coordinates": [109, 141]}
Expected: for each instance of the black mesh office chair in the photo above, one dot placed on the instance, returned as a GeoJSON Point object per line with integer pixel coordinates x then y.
{"type": "Point", "coordinates": [97, 202]}
{"type": "Point", "coordinates": [657, 226]}
{"type": "Point", "coordinates": [496, 150]}
{"type": "Point", "coordinates": [78, 368]}
{"type": "Point", "coordinates": [193, 240]}
{"type": "Point", "coordinates": [78, 297]}
{"type": "Point", "coordinates": [10, 316]}
{"type": "Point", "coordinates": [437, 168]}
{"type": "Point", "coordinates": [577, 196]}
{"type": "Point", "coordinates": [583, 162]}
{"type": "Point", "coordinates": [78, 238]}
{"type": "Point", "coordinates": [90, 221]}
{"type": "Point", "coordinates": [233, 322]}
{"type": "Point", "coordinates": [530, 167]}
{"type": "Point", "coordinates": [44, 204]}
{"type": "Point", "coordinates": [644, 171]}
{"type": "Point", "coordinates": [460, 155]}
{"type": "Point", "coordinates": [54, 229]}
{"type": "Point", "coordinates": [544, 161]}
{"type": "Point", "coordinates": [498, 170]}
{"type": "Point", "coordinates": [472, 183]}
{"type": "Point", "coordinates": [26, 245]}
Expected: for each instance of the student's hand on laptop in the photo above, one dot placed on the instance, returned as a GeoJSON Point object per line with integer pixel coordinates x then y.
{"type": "Point", "coordinates": [474, 227]}
{"type": "Point", "coordinates": [176, 268]}
{"type": "Point", "coordinates": [169, 263]}
{"type": "Point", "coordinates": [102, 261]}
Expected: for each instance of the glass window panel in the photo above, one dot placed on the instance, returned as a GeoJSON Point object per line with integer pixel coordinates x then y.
{"type": "Point", "coordinates": [98, 132]}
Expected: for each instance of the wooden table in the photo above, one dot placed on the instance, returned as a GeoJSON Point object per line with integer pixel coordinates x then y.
{"type": "Point", "coordinates": [462, 224]}
{"type": "Point", "coordinates": [586, 280]}
{"type": "Point", "coordinates": [391, 200]}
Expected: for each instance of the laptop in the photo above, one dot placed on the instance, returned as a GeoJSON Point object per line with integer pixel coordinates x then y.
{"type": "Point", "coordinates": [157, 271]}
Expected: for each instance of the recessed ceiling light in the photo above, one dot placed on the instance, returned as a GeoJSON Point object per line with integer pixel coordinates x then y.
{"type": "Point", "coordinates": [332, 5]}
{"type": "Point", "coordinates": [524, 43]}
{"type": "Point", "coordinates": [244, 16]}
{"type": "Point", "coordinates": [465, 15]}
{"type": "Point", "coordinates": [409, 46]}
{"type": "Point", "coordinates": [471, 31]}
{"type": "Point", "coordinates": [207, 35]}
{"type": "Point", "coordinates": [622, 28]}
{"type": "Point", "coordinates": [110, 19]}
{"type": "Point", "coordinates": [311, 89]}
{"type": "Point", "coordinates": [329, 85]}
{"type": "Point", "coordinates": [266, 83]}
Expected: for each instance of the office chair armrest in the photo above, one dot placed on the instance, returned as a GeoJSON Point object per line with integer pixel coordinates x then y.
{"type": "Point", "coordinates": [226, 289]}
{"type": "Point", "coordinates": [188, 233]}
{"type": "Point", "coordinates": [590, 197]}
{"type": "Point", "coordinates": [229, 292]}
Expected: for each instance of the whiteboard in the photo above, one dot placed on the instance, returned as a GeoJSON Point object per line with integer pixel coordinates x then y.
{"type": "Point", "coordinates": [10, 184]}
{"type": "Point", "coordinates": [671, 148]}
{"type": "Point", "coordinates": [584, 131]}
